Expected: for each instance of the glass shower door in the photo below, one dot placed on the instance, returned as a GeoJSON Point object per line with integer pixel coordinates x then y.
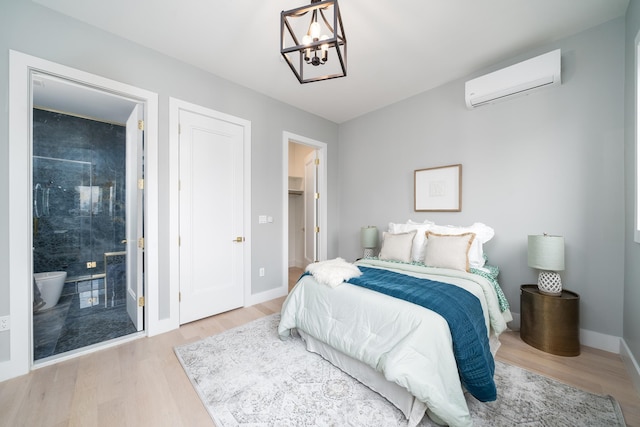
{"type": "Point", "coordinates": [62, 205]}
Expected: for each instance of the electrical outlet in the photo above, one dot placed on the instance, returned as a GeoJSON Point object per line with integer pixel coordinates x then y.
{"type": "Point", "coordinates": [4, 323]}
{"type": "Point", "coordinates": [261, 271]}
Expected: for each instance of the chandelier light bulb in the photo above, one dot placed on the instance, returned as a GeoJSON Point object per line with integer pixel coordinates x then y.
{"type": "Point", "coordinates": [314, 30]}
{"type": "Point", "coordinates": [324, 47]}
{"type": "Point", "coordinates": [306, 40]}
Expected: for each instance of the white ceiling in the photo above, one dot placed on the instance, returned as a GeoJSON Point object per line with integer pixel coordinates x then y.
{"type": "Point", "coordinates": [396, 49]}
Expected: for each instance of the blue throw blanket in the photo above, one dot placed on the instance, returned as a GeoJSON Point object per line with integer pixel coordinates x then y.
{"type": "Point", "coordinates": [461, 310]}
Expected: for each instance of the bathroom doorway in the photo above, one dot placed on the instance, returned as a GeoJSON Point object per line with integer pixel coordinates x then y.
{"type": "Point", "coordinates": [87, 202]}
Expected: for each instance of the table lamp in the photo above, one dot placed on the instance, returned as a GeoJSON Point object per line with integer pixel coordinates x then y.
{"type": "Point", "coordinates": [369, 239]}
{"type": "Point", "coordinates": [546, 253]}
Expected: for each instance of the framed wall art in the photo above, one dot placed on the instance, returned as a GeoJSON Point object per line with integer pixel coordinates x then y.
{"type": "Point", "coordinates": [438, 189]}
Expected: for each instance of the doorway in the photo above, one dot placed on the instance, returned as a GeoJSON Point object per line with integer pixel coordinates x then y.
{"type": "Point", "coordinates": [20, 342]}
{"type": "Point", "coordinates": [87, 193]}
{"type": "Point", "coordinates": [306, 202]}
{"type": "Point", "coordinates": [302, 205]}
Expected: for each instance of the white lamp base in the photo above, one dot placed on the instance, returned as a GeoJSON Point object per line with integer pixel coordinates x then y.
{"type": "Point", "coordinates": [549, 283]}
{"type": "Point", "coordinates": [369, 253]}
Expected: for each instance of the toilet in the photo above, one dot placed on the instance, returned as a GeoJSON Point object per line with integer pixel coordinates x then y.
{"type": "Point", "coordinates": [50, 285]}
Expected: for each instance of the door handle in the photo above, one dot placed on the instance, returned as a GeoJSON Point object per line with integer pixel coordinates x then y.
{"type": "Point", "coordinates": [123, 241]}
{"type": "Point", "coordinates": [238, 239]}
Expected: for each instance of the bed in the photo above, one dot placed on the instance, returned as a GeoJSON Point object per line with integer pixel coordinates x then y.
{"type": "Point", "coordinates": [420, 356]}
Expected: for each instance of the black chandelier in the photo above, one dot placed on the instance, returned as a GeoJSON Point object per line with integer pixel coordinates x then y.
{"type": "Point", "coordinates": [307, 35]}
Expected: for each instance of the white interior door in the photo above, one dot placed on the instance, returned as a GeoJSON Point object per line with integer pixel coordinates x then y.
{"type": "Point", "coordinates": [211, 212]}
{"type": "Point", "coordinates": [134, 217]}
{"type": "Point", "coordinates": [311, 208]}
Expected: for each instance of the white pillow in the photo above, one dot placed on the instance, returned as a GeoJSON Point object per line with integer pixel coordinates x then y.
{"type": "Point", "coordinates": [419, 241]}
{"type": "Point", "coordinates": [448, 251]}
{"type": "Point", "coordinates": [483, 234]}
{"type": "Point", "coordinates": [397, 247]}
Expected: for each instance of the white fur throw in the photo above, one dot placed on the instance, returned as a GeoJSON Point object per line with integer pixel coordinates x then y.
{"type": "Point", "coordinates": [333, 272]}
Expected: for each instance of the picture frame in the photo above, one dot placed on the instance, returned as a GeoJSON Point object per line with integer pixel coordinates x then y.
{"type": "Point", "coordinates": [438, 189]}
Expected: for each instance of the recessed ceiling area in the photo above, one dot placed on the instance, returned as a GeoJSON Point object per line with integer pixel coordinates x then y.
{"type": "Point", "coordinates": [56, 94]}
{"type": "Point", "coordinates": [396, 49]}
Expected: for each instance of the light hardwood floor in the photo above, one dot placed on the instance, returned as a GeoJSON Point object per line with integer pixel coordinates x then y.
{"type": "Point", "coordinates": [141, 383]}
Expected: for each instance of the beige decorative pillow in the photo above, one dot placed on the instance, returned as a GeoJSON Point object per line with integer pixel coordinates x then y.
{"type": "Point", "coordinates": [448, 251]}
{"type": "Point", "coordinates": [483, 234]}
{"type": "Point", "coordinates": [397, 247]}
{"type": "Point", "coordinates": [419, 241]}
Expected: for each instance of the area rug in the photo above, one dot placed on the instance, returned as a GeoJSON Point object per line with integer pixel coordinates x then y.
{"type": "Point", "coordinates": [247, 376]}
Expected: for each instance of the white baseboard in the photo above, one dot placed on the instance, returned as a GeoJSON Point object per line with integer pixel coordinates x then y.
{"type": "Point", "coordinates": [13, 368]}
{"type": "Point", "coordinates": [631, 364]}
{"type": "Point", "coordinates": [589, 338]}
{"type": "Point", "coordinates": [267, 295]}
{"type": "Point", "coordinates": [600, 341]}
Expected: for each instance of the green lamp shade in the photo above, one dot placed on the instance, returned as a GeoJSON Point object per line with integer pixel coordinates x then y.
{"type": "Point", "coordinates": [369, 236]}
{"type": "Point", "coordinates": [546, 252]}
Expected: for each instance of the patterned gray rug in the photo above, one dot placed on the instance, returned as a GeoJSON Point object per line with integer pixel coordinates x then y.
{"type": "Point", "coordinates": [248, 376]}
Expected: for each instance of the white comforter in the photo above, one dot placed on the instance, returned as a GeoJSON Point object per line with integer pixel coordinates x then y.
{"type": "Point", "coordinates": [408, 344]}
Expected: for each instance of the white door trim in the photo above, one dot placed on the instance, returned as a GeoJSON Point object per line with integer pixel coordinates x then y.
{"type": "Point", "coordinates": [321, 148]}
{"type": "Point", "coordinates": [175, 105]}
{"type": "Point", "coordinates": [20, 242]}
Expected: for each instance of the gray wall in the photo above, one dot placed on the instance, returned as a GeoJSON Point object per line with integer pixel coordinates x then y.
{"type": "Point", "coordinates": [548, 162]}
{"type": "Point", "coordinates": [40, 32]}
{"type": "Point", "coordinates": [632, 249]}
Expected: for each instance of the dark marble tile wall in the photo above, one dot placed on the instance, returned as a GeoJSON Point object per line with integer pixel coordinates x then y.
{"type": "Point", "coordinates": [79, 192]}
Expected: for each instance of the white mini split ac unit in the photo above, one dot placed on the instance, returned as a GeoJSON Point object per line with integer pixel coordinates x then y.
{"type": "Point", "coordinates": [519, 79]}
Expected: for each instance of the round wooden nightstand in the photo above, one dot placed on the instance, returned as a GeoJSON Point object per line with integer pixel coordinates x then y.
{"type": "Point", "coordinates": [550, 323]}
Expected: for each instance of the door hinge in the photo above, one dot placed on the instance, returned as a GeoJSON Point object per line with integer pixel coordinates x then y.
{"type": "Point", "coordinates": [317, 161]}
{"type": "Point", "coordinates": [179, 296]}
{"type": "Point", "coordinates": [141, 243]}
{"type": "Point", "coordinates": [316, 195]}
{"type": "Point", "coordinates": [141, 184]}
{"type": "Point", "coordinates": [140, 124]}
{"type": "Point", "coordinates": [141, 302]}
{"type": "Point", "coordinates": [317, 229]}
{"type": "Point", "coordinates": [179, 241]}
{"type": "Point", "coordinates": [179, 128]}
